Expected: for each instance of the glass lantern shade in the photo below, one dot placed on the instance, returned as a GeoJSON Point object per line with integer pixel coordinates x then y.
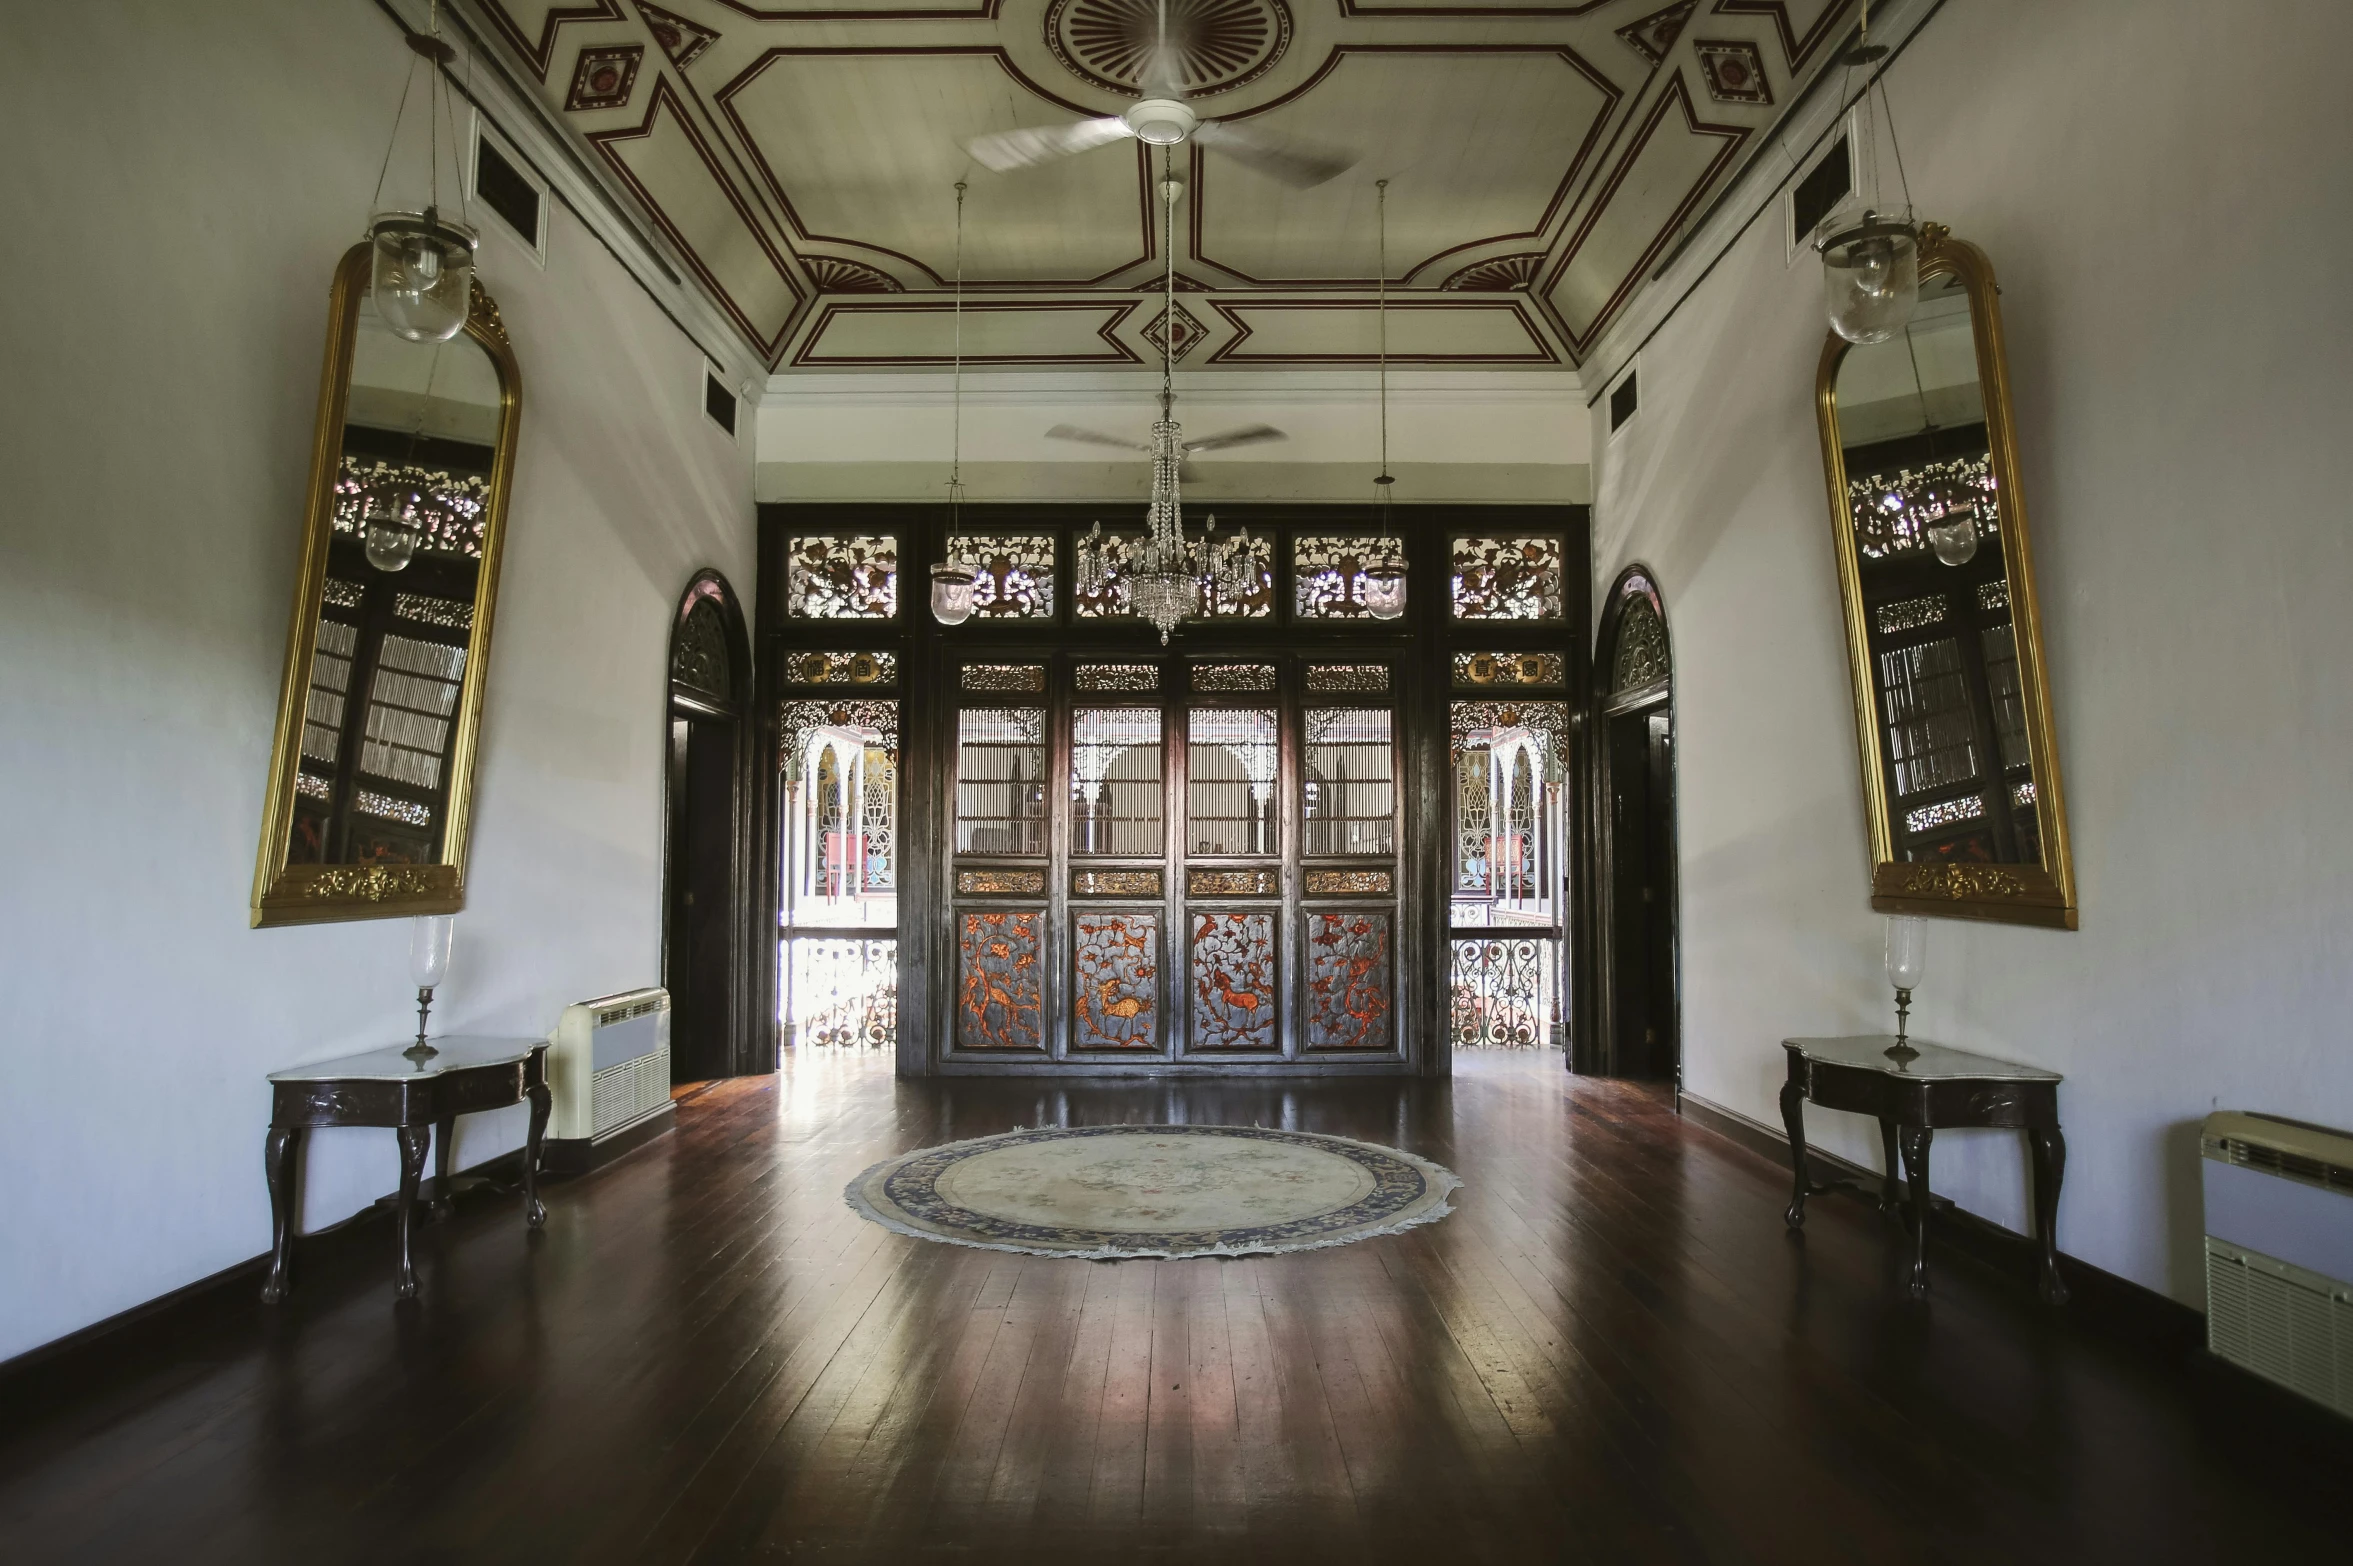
{"type": "Point", "coordinates": [1871, 278]}
{"type": "Point", "coordinates": [1954, 536]}
{"type": "Point", "coordinates": [424, 269]}
{"type": "Point", "coordinates": [429, 945]}
{"type": "Point", "coordinates": [1907, 951]}
{"type": "Point", "coordinates": [387, 532]}
{"type": "Point", "coordinates": [1384, 591]}
{"type": "Point", "coordinates": [951, 593]}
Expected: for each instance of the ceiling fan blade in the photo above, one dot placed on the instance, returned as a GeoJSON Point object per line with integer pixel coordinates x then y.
{"type": "Point", "coordinates": [1187, 473]}
{"type": "Point", "coordinates": [1093, 438]}
{"type": "Point", "coordinates": [1022, 149]}
{"type": "Point", "coordinates": [1295, 161]}
{"type": "Point", "coordinates": [1250, 435]}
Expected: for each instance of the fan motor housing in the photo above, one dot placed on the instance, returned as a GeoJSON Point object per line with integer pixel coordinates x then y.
{"type": "Point", "coordinates": [1160, 122]}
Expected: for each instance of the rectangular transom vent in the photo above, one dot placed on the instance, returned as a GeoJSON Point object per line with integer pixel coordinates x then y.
{"type": "Point", "coordinates": [718, 402]}
{"type": "Point", "coordinates": [1625, 397]}
{"type": "Point", "coordinates": [1824, 186]}
{"type": "Point", "coordinates": [507, 190]}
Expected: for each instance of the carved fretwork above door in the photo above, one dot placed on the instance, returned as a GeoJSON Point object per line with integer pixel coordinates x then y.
{"type": "Point", "coordinates": [1542, 159]}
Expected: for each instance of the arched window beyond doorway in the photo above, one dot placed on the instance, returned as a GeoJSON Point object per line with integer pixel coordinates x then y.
{"type": "Point", "coordinates": [1638, 1032]}
{"type": "Point", "coordinates": [706, 957]}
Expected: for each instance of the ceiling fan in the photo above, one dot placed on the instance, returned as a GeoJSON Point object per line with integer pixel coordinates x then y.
{"type": "Point", "coordinates": [1162, 118]}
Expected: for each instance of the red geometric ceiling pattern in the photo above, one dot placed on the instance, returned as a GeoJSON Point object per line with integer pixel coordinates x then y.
{"type": "Point", "coordinates": [1542, 158]}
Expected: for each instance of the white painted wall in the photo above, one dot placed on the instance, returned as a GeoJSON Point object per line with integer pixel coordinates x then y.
{"type": "Point", "coordinates": [187, 177]}
{"type": "Point", "coordinates": [1454, 435]}
{"type": "Point", "coordinates": [2162, 186]}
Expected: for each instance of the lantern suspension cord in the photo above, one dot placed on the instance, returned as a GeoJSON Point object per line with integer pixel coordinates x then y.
{"type": "Point", "coordinates": [956, 393]}
{"type": "Point", "coordinates": [1381, 311]}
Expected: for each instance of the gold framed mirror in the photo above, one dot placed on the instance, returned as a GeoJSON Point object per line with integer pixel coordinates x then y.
{"type": "Point", "coordinates": [1965, 812]}
{"type": "Point", "coordinates": [371, 780]}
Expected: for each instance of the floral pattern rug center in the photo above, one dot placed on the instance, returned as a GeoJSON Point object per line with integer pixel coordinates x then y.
{"type": "Point", "coordinates": [1107, 1192]}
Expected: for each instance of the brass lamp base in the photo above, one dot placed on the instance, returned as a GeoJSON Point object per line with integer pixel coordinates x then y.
{"type": "Point", "coordinates": [1901, 1051]}
{"type": "Point", "coordinates": [421, 1051]}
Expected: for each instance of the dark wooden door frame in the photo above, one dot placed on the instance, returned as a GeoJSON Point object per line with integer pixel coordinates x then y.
{"type": "Point", "coordinates": [1594, 1049]}
{"type": "Point", "coordinates": [751, 964]}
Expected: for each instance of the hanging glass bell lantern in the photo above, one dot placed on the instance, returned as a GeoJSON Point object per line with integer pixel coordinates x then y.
{"type": "Point", "coordinates": [424, 271]}
{"type": "Point", "coordinates": [1871, 278]}
{"type": "Point", "coordinates": [951, 591]}
{"type": "Point", "coordinates": [388, 527]}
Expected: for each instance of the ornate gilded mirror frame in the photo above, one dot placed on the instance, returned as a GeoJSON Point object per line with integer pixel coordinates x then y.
{"type": "Point", "coordinates": [289, 893]}
{"type": "Point", "coordinates": [2023, 892]}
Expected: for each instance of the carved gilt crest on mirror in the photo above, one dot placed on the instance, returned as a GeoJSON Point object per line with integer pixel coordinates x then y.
{"type": "Point", "coordinates": [371, 779]}
{"type": "Point", "coordinates": [1962, 797]}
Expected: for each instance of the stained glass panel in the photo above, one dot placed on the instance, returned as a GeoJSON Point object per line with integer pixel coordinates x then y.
{"type": "Point", "coordinates": [1348, 980]}
{"type": "Point", "coordinates": [1507, 578]}
{"type": "Point", "coordinates": [1115, 781]}
{"type": "Point", "coordinates": [1000, 781]}
{"type": "Point", "coordinates": [1013, 575]}
{"type": "Point", "coordinates": [1234, 981]}
{"type": "Point", "coordinates": [999, 1001]}
{"type": "Point", "coordinates": [1116, 958]}
{"type": "Point", "coordinates": [1348, 793]}
{"type": "Point", "coordinates": [1231, 760]}
{"type": "Point", "coordinates": [1327, 573]}
{"type": "Point", "coordinates": [842, 578]}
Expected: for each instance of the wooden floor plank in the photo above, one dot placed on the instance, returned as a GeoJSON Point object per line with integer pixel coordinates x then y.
{"type": "Point", "coordinates": [1612, 1351]}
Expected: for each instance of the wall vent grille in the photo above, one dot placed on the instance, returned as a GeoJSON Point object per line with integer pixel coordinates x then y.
{"type": "Point", "coordinates": [2325, 1173]}
{"type": "Point", "coordinates": [619, 1094]}
{"type": "Point", "coordinates": [2281, 1322]}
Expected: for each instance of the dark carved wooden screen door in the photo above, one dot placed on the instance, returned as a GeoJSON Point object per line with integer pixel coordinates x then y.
{"type": "Point", "coordinates": [1104, 853]}
{"type": "Point", "coordinates": [1176, 859]}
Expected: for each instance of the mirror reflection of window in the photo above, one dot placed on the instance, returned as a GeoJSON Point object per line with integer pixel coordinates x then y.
{"type": "Point", "coordinates": [1231, 760]}
{"type": "Point", "coordinates": [396, 619]}
{"type": "Point", "coordinates": [1935, 590]}
{"type": "Point", "coordinates": [1348, 796]}
{"type": "Point", "coordinates": [1000, 781]}
{"type": "Point", "coordinates": [1115, 781]}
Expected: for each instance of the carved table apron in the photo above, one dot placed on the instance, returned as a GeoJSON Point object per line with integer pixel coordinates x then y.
{"type": "Point", "coordinates": [1911, 1099]}
{"type": "Point", "coordinates": [415, 1100]}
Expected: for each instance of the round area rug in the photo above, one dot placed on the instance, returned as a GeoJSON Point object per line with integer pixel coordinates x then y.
{"type": "Point", "coordinates": [1099, 1193]}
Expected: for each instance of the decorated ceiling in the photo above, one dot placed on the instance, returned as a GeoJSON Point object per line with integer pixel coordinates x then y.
{"type": "Point", "coordinates": [1542, 159]}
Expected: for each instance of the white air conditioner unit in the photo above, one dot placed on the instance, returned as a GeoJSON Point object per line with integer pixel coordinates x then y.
{"type": "Point", "coordinates": [2279, 1252]}
{"type": "Point", "coordinates": [610, 1069]}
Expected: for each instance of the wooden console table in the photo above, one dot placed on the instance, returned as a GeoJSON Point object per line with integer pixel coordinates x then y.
{"type": "Point", "coordinates": [415, 1099]}
{"type": "Point", "coordinates": [1912, 1098]}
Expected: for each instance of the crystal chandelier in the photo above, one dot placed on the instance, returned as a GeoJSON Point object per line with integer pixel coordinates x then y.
{"type": "Point", "coordinates": [1170, 578]}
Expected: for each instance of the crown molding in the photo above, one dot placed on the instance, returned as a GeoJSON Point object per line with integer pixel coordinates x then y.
{"type": "Point", "coordinates": [1141, 388]}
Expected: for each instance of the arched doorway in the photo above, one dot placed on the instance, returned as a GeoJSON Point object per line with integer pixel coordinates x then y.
{"type": "Point", "coordinates": [704, 961]}
{"type": "Point", "coordinates": [1640, 1023]}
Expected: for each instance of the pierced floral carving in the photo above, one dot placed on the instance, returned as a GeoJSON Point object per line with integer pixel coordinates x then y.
{"type": "Point", "coordinates": [842, 578]}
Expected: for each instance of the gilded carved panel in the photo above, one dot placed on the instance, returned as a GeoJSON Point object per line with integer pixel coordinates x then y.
{"type": "Point", "coordinates": [1234, 981]}
{"type": "Point", "coordinates": [1116, 963]}
{"type": "Point", "coordinates": [1348, 980]}
{"type": "Point", "coordinates": [1000, 1003]}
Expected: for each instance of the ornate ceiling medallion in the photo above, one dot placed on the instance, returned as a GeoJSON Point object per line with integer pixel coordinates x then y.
{"type": "Point", "coordinates": [1219, 44]}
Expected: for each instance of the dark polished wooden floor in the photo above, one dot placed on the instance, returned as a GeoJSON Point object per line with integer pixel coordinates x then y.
{"type": "Point", "coordinates": [1611, 1352]}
